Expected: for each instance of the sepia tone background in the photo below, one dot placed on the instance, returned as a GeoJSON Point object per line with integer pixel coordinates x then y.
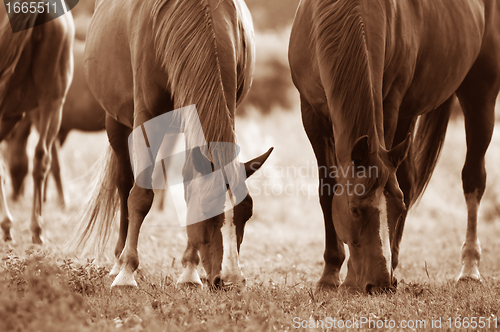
{"type": "Point", "coordinates": [284, 241]}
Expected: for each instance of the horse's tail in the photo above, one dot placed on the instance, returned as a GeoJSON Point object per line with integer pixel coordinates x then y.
{"type": "Point", "coordinates": [427, 146]}
{"type": "Point", "coordinates": [186, 46]}
{"type": "Point", "coordinates": [98, 214]}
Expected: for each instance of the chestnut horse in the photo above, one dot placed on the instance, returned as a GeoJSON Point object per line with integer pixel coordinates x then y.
{"type": "Point", "coordinates": [377, 79]}
{"type": "Point", "coordinates": [81, 111]}
{"type": "Point", "coordinates": [36, 68]}
{"type": "Point", "coordinates": [148, 57]}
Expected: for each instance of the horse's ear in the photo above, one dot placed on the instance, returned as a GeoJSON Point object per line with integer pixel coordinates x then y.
{"type": "Point", "coordinates": [398, 153]}
{"type": "Point", "coordinates": [360, 151]}
{"type": "Point", "coordinates": [253, 165]}
{"type": "Point", "coordinates": [200, 162]}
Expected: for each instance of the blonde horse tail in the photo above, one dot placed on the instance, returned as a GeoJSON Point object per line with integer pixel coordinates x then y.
{"type": "Point", "coordinates": [97, 215]}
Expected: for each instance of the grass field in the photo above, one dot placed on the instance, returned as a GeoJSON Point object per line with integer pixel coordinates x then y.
{"type": "Point", "coordinates": [46, 289]}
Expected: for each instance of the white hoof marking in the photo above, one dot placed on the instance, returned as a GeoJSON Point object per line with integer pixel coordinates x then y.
{"type": "Point", "coordinates": [124, 278]}
{"type": "Point", "coordinates": [190, 277]}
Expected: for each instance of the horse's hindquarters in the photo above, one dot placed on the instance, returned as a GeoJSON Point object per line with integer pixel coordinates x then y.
{"type": "Point", "coordinates": [107, 61]}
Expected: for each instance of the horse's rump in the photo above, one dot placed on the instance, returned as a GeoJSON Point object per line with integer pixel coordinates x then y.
{"type": "Point", "coordinates": [12, 45]}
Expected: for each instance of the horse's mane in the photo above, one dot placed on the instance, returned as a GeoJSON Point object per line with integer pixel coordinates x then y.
{"type": "Point", "coordinates": [186, 47]}
{"type": "Point", "coordinates": [341, 46]}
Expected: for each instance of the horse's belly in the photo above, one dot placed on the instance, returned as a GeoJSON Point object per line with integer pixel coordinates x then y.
{"type": "Point", "coordinates": [108, 62]}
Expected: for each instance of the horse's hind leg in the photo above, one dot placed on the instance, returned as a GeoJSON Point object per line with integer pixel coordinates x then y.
{"type": "Point", "coordinates": [139, 203]}
{"type": "Point", "coordinates": [7, 126]}
{"type": "Point", "coordinates": [47, 127]}
{"type": "Point", "coordinates": [6, 223]}
{"type": "Point", "coordinates": [321, 137]}
{"type": "Point", "coordinates": [118, 135]}
{"type": "Point", "coordinates": [52, 74]}
{"type": "Point", "coordinates": [17, 156]}
{"type": "Point", "coordinates": [55, 170]}
{"type": "Point", "coordinates": [477, 95]}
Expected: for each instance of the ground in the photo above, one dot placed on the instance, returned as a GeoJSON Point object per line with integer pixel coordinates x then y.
{"type": "Point", "coordinates": [45, 288]}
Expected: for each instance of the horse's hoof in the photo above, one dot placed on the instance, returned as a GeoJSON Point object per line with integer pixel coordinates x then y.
{"type": "Point", "coordinates": [469, 273]}
{"type": "Point", "coordinates": [327, 283]}
{"type": "Point", "coordinates": [6, 226]}
{"type": "Point", "coordinates": [189, 278]}
{"type": "Point", "coordinates": [36, 239]}
{"type": "Point", "coordinates": [124, 279]}
{"type": "Point", "coordinates": [7, 237]}
{"type": "Point", "coordinates": [227, 285]}
{"type": "Point", "coordinates": [231, 281]}
{"type": "Point", "coordinates": [468, 279]}
{"type": "Point", "coordinates": [350, 288]}
{"type": "Point", "coordinates": [115, 270]}
{"type": "Point", "coordinates": [324, 286]}
{"type": "Point", "coordinates": [190, 285]}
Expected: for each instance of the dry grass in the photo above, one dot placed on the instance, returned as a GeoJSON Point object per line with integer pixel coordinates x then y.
{"type": "Point", "coordinates": [46, 289]}
{"type": "Point", "coordinates": [281, 255]}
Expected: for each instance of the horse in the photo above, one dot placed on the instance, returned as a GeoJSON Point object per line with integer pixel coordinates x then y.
{"type": "Point", "coordinates": [377, 80]}
{"type": "Point", "coordinates": [36, 69]}
{"type": "Point", "coordinates": [81, 111]}
{"type": "Point", "coordinates": [82, 15]}
{"type": "Point", "coordinates": [157, 57]}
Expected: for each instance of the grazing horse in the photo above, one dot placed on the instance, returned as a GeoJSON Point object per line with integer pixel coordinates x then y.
{"type": "Point", "coordinates": [148, 57]}
{"type": "Point", "coordinates": [81, 111]}
{"type": "Point", "coordinates": [377, 79]}
{"type": "Point", "coordinates": [36, 68]}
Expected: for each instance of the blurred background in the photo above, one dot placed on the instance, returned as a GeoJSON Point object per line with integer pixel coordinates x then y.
{"type": "Point", "coordinates": [285, 238]}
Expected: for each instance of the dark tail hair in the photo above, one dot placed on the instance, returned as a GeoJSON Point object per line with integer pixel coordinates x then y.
{"type": "Point", "coordinates": [97, 215]}
{"type": "Point", "coordinates": [427, 145]}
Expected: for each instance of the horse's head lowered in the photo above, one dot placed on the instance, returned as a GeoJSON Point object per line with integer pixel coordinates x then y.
{"type": "Point", "coordinates": [366, 207]}
{"type": "Point", "coordinates": [218, 208]}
